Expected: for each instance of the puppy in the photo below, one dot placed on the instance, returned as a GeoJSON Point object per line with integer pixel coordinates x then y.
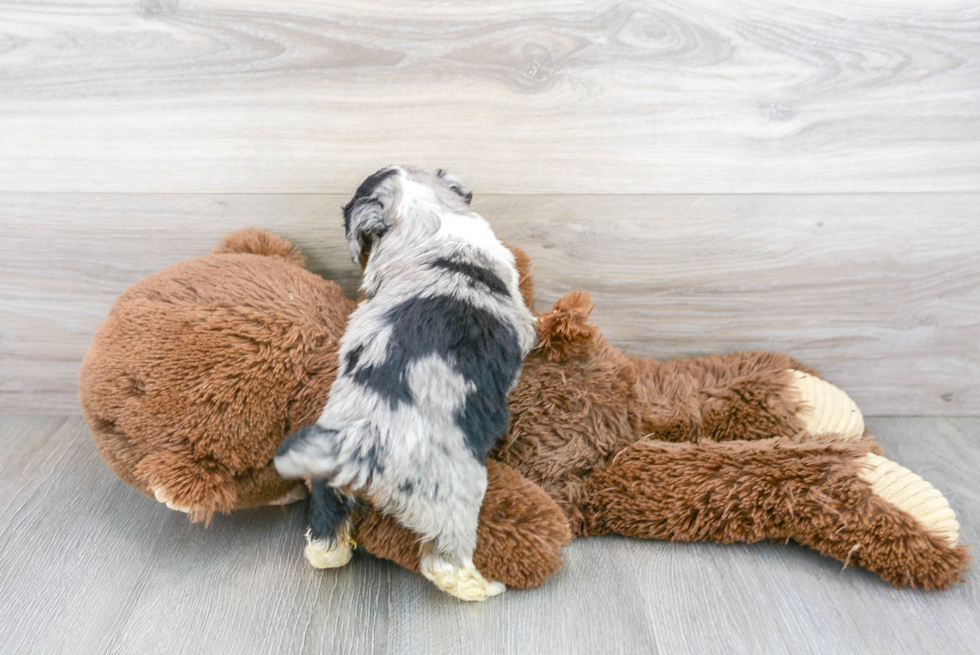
{"type": "Point", "coordinates": [426, 365]}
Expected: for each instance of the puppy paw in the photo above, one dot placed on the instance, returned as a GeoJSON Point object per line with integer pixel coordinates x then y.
{"type": "Point", "coordinates": [910, 493]}
{"type": "Point", "coordinates": [825, 409]}
{"type": "Point", "coordinates": [464, 582]}
{"type": "Point", "coordinates": [327, 554]}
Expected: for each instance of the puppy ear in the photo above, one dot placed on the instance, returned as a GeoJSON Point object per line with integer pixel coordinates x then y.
{"type": "Point", "coordinates": [365, 222]}
{"type": "Point", "coordinates": [456, 184]}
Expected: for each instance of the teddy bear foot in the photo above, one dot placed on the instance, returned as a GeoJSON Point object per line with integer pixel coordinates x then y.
{"type": "Point", "coordinates": [328, 554]}
{"type": "Point", "coordinates": [825, 408]}
{"type": "Point", "coordinates": [463, 582]}
{"type": "Point", "coordinates": [294, 495]}
{"type": "Point", "coordinates": [162, 496]}
{"type": "Point", "coordinates": [908, 492]}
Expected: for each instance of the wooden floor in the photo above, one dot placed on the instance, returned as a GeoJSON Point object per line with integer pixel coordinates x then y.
{"type": "Point", "coordinates": [89, 565]}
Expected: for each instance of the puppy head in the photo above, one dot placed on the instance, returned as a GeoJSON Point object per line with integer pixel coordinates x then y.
{"type": "Point", "coordinates": [395, 195]}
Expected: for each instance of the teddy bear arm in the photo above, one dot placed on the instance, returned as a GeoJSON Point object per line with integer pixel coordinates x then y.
{"type": "Point", "coordinates": [520, 533]}
{"type": "Point", "coordinates": [841, 499]}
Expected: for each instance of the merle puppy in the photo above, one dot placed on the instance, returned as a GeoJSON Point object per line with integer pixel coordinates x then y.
{"type": "Point", "coordinates": [426, 365]}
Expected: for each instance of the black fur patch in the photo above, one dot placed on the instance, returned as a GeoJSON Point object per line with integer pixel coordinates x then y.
{"type": "Point", "coordinates": [363, 192]}
{"type": "Point", "coordinates": [411, 487]}
{"type": "Point", "coordinates": [480, 347]}
{"type": "Point", "coordinates": [353, 357]}
{"type": "Point", "coordinates": [328, 511]}
{"type": "Point", "coordinates": [371, 461]}
{"type": "Point", "coordinates": [475, 274]}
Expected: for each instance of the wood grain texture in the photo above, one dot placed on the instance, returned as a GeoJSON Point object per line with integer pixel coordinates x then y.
{"type": "Point", "coordinates": [89, 565]}
{"type": "Point", "coordinates": [699, 96]}
{"type": "Point", "coordinates": [880, 292]}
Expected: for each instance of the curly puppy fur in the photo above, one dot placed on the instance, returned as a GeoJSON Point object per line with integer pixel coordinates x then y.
{"type": "Point", "coordinates": [428, 362]}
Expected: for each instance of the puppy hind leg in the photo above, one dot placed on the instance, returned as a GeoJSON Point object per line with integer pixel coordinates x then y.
{"type": "Point", "coordinates": [448, 522]}
{"type": "Point", "coordinates": [328, 540]}
{"type": "Point", "coordinates": [457, 578]}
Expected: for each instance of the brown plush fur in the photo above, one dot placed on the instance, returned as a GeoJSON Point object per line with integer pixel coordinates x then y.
{"type": "Point", "coordinates": [202, 369]}
{"type": "Point", "coordinates": [518, 538]}
{"type": "Point", "coordinates": [526, 281]}
{"type": "Point", "coordinates": [807, 490]}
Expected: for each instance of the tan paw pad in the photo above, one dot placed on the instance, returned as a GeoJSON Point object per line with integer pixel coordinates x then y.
{"type": "Point", "coordinates": [322, 554]}
{"type": "Point", "coordinates": [910, 493]}
{"type": "Point", "coordinates": [464, 582]}
{"type": "Point", "coordinates": [826, 409]}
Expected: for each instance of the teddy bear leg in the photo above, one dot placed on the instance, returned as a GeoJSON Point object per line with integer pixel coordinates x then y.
{"type": "Point", "coordinates": [825, 408]}
{"type": "Point", "coordinates": [294, 495]}
{"type": "Point", "coordinates": [199, 487]}
{"type": "Point", "coordinates": [517, 516]}
{"type": "Point", "coordinates": [898, 486]}
{"type": "Point", "coordinates": [840, 498]}
{"type": "Point", "coordinates": [741, 395]}
{"type": "Point", "coordinates": [329, 543]}
{"type": "Point", "coordinates": [892, 522]}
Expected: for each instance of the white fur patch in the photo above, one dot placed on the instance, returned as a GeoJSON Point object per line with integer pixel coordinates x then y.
{"type": "Point", "coordinates": [436, 387]}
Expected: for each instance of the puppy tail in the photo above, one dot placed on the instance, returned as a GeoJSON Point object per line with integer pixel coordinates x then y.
{"type": "Point", "coordinates": [310, 451]}
{"type": "Point", "coordinates": [334, 453]}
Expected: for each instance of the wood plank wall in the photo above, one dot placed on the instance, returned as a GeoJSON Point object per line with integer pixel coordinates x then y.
{"type": "Point", "coordinates": [802, 176]}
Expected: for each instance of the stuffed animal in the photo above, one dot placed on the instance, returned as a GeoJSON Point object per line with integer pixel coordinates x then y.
{"type": "Point", "coordinates": [200, 371]}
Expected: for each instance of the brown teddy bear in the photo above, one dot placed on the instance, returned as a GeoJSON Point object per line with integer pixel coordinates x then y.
{"type": "Point", "coordinates": [202, 369]}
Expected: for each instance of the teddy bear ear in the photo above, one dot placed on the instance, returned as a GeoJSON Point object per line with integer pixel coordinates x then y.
{"type": "Point", "coordinates": [253, 241]}
{"type": "Point", "coordinates": [565, 331]}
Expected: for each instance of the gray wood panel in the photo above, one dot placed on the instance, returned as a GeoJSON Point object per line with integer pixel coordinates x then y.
{"type": "Point", "coordinates": [700, 96]}
{"type": "Point", "coordinates": [880, 292]}
{"type": "Point", "coordinates": [89, 565]}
